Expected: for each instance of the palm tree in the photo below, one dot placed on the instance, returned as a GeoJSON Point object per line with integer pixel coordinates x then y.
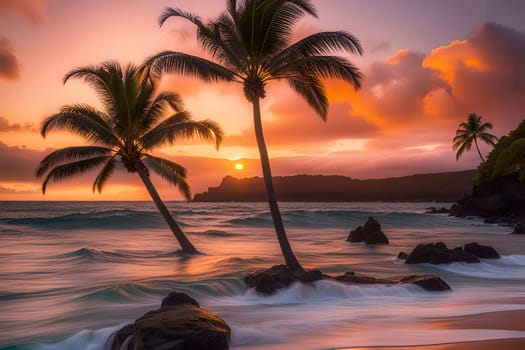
{"type": "Point", "coordinates": [132, 123]}
{"type": "Point", "coordinates": [250, 44]}
{"type": "Point", "coordinates": [470, 131]}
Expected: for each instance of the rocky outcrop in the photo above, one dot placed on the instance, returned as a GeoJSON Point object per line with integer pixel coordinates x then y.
{"type": "Point", "coordinates": [179, 324]}
{"type": "Point", "coordinates": [519, 230]}
{"type": "Point", "coordinates": [370, 234]}
{"type": "Point", "coordinates": [439, 253]}
{"type": "Point", "coordinates": [278, 277]}
{"type": "Point", "coordinates": [500, 200]}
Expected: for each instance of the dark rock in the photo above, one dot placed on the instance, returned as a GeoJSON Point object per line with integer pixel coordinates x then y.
{"type": "Point", "coordinates": [402, 255]}
{"type": "Point", "coordinates": [481, 251]}
{"type": "Point", "coordinates": [370, 234]}
{"type": "Point", "coordinates": [180, 324]}
{"type": "Point", "coordinates": [427, 282]}
{"type": "Point", "coordinates": [357, 235]}
{"type": "Point", "coordinates": [499, 200]}
{"type": "Point", "coordinates": [519, 230]}
{"type": "Point", "coordinates": [279, 276]}
{"type": "Point", "coordinates": [441, 210]}
{"type": "Point", "coordinates": [438, 253]}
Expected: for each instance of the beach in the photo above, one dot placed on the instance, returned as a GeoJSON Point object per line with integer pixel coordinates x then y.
{"type": "Point", "coordinates": [74, 272]}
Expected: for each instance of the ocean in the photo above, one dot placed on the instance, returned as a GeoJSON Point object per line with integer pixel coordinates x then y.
{"type": "Point", "coordinates": [71, 273]}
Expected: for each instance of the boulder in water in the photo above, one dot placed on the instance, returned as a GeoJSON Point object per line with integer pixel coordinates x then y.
{"type": "Point", "coordinates": [179, 324]}
{"type": "Point", "coordinates": [370, 234]}
{"type": "Point", "coordinates": [439, 253]}
{"type": "Point", "coordinates": [481, 251]}
{"type": "Point", "coordinates": [279, 276]}
{"type": "Point", "coordinates": [427, 282]}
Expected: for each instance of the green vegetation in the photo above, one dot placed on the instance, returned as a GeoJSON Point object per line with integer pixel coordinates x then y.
{"type": "Point", "coordinates": [250, 44]}
{"type": "Point", "coordinates": [470, 131]}
{"type": "Point", "coordinates": [507, 157]}
{"type": "Point", "coordinates": [132, 123]}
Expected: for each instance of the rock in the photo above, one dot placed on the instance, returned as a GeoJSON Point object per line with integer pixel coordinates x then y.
{"type": "Point", "coordinates": [433, 210]}
{"type": "Point", "coordinates": [438, 253]}
{"type": "Point", "coordinates": [519, 230]}
{"type": "Point", "coordinates": [174, 299]}
{"type": "Point", "coordinates": [370, 234]}
{"type": "Point", "coordinates": [481, 251]}
{"type": "Point", "coordinates": [427, 282]}
{"type": "Point", "coordinates": [357, 235]}
{"type": "Point", "coordinates": [179, 324]}
{"type": "Point", "coordinates": [402, 255]}
{"type": "Point", "coordinates": [279, 276]}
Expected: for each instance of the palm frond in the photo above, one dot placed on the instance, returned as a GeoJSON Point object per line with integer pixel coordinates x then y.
{"type": "Point", "coordinates": [318, 44]}
{"type": "Point", "coordinates": [67, 170]}
{"type": "Point", "coordinates": [322, 67]}
{"type": "Point", "coordinates": [159, 107]}
{"type": "Point", "coordinates": [84, 121]}
{"type": "Point", "coordinates": [104, 174]}
{"type": "Point", "coordinates": [177, 62]}
{"type": "Point", "coordinates": [181, 126]}
{"type": "Point", "coordinates": [462, 147]}
{"type": "Point", "coordinates": [313, 92]}
{"type": "Point", "coordinates": [171, 172]}
{"type": "Point", "coordinates": [69, 154]}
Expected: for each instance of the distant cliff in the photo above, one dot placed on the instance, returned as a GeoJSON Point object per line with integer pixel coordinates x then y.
{"type": "Point", "coordinates": [446, 187]}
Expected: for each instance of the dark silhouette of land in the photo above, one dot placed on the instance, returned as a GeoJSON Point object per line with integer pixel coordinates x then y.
{"type": "Point", "coordinates": [446, 187]}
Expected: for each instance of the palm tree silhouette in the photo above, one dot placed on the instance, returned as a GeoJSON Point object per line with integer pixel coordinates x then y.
{"type": "Point", "coordinates": [470, 131]}
{"type": "Point", "coordinates": [132, 123]}
{"type": "Point", "coordinates": [250, 44]}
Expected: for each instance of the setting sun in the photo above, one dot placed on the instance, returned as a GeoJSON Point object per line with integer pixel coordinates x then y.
{"type": "Point", "coordinates": [239, 166]}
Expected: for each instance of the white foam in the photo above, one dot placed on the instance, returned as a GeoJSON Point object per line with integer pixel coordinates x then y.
{"type": "Point", "coordinates": [84, 340]}
{"type": "Point", "coordinates": [323, 292]}
{"type": "Point", "coordinates": [508, 267]}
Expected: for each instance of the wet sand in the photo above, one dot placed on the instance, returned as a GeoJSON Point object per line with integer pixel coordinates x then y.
{"type": "Point", "coordinates": [502, 320]}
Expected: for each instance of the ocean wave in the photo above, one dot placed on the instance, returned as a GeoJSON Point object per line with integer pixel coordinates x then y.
{"type": "Point", "coordinates": [110, 219]}
{"type": "Point", "coordinates": [508, 267]}
{"type": "Point", "coordinates": [324, 292]}
{"type": "Point", "coordinates": [91, 254]}
{"type": "Point", "coordinates": [126, 292]}
{"type": "Point", "coordinates": [337, 218]}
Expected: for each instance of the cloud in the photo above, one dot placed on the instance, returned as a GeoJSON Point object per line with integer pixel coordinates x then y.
{"type": "Point", "coordinates": [9, 67]}
{"type": "Point", "coordinates": [291, 122]}
{"type": "Point", "coordinates": [5, 125]}
{"type": "Point", "coordinates": [32, 9]}
{"type": "Point", "coordinates": [372, 46]}
{"type": "Point", "coordinates": [485, 73]}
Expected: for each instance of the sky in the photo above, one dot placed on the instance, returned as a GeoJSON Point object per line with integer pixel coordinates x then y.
{"type": "Point", "coordinates": [427, 65]}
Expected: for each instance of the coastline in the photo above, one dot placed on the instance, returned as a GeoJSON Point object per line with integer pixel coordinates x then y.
{"type": "Point", "coordinates": [500, 320]}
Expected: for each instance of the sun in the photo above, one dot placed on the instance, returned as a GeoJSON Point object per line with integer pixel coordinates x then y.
{"type": "Point", "coordinates": [239, 166]}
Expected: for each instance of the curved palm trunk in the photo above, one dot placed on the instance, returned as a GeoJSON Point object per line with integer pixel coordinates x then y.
{"type": "Point", "coordinates": [186, 245]}
{"type": "Point", "coordinates": [477, 147]}
{"type": "Point", "coordinates": [289, 257]}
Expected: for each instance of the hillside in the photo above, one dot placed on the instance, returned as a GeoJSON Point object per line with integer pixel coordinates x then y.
{"type": "Point", "coordinates": [331, 188]}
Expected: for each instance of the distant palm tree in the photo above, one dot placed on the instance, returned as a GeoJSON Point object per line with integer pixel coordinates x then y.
{"type": "Point", "coordinates": [470, 131]}
{"type": "Point", "coordinates": [251, 44]}
{"type": "Point", "coordinates": [133, 122]}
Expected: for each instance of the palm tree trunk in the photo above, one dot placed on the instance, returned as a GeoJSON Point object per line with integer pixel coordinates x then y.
{"type": "Point", "coordinates": [289, 257]}
{"type": "Point", "coordinates": [186, 245]}
{"type": "Point", "coordinates": [477, 147]}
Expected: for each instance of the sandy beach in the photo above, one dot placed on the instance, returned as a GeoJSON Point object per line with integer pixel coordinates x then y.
{"type": "Point", "coordinates": [502, 320]}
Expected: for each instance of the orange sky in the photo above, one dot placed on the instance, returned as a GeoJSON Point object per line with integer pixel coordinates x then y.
{"type": "Point", "coordinates": [427, 65]}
